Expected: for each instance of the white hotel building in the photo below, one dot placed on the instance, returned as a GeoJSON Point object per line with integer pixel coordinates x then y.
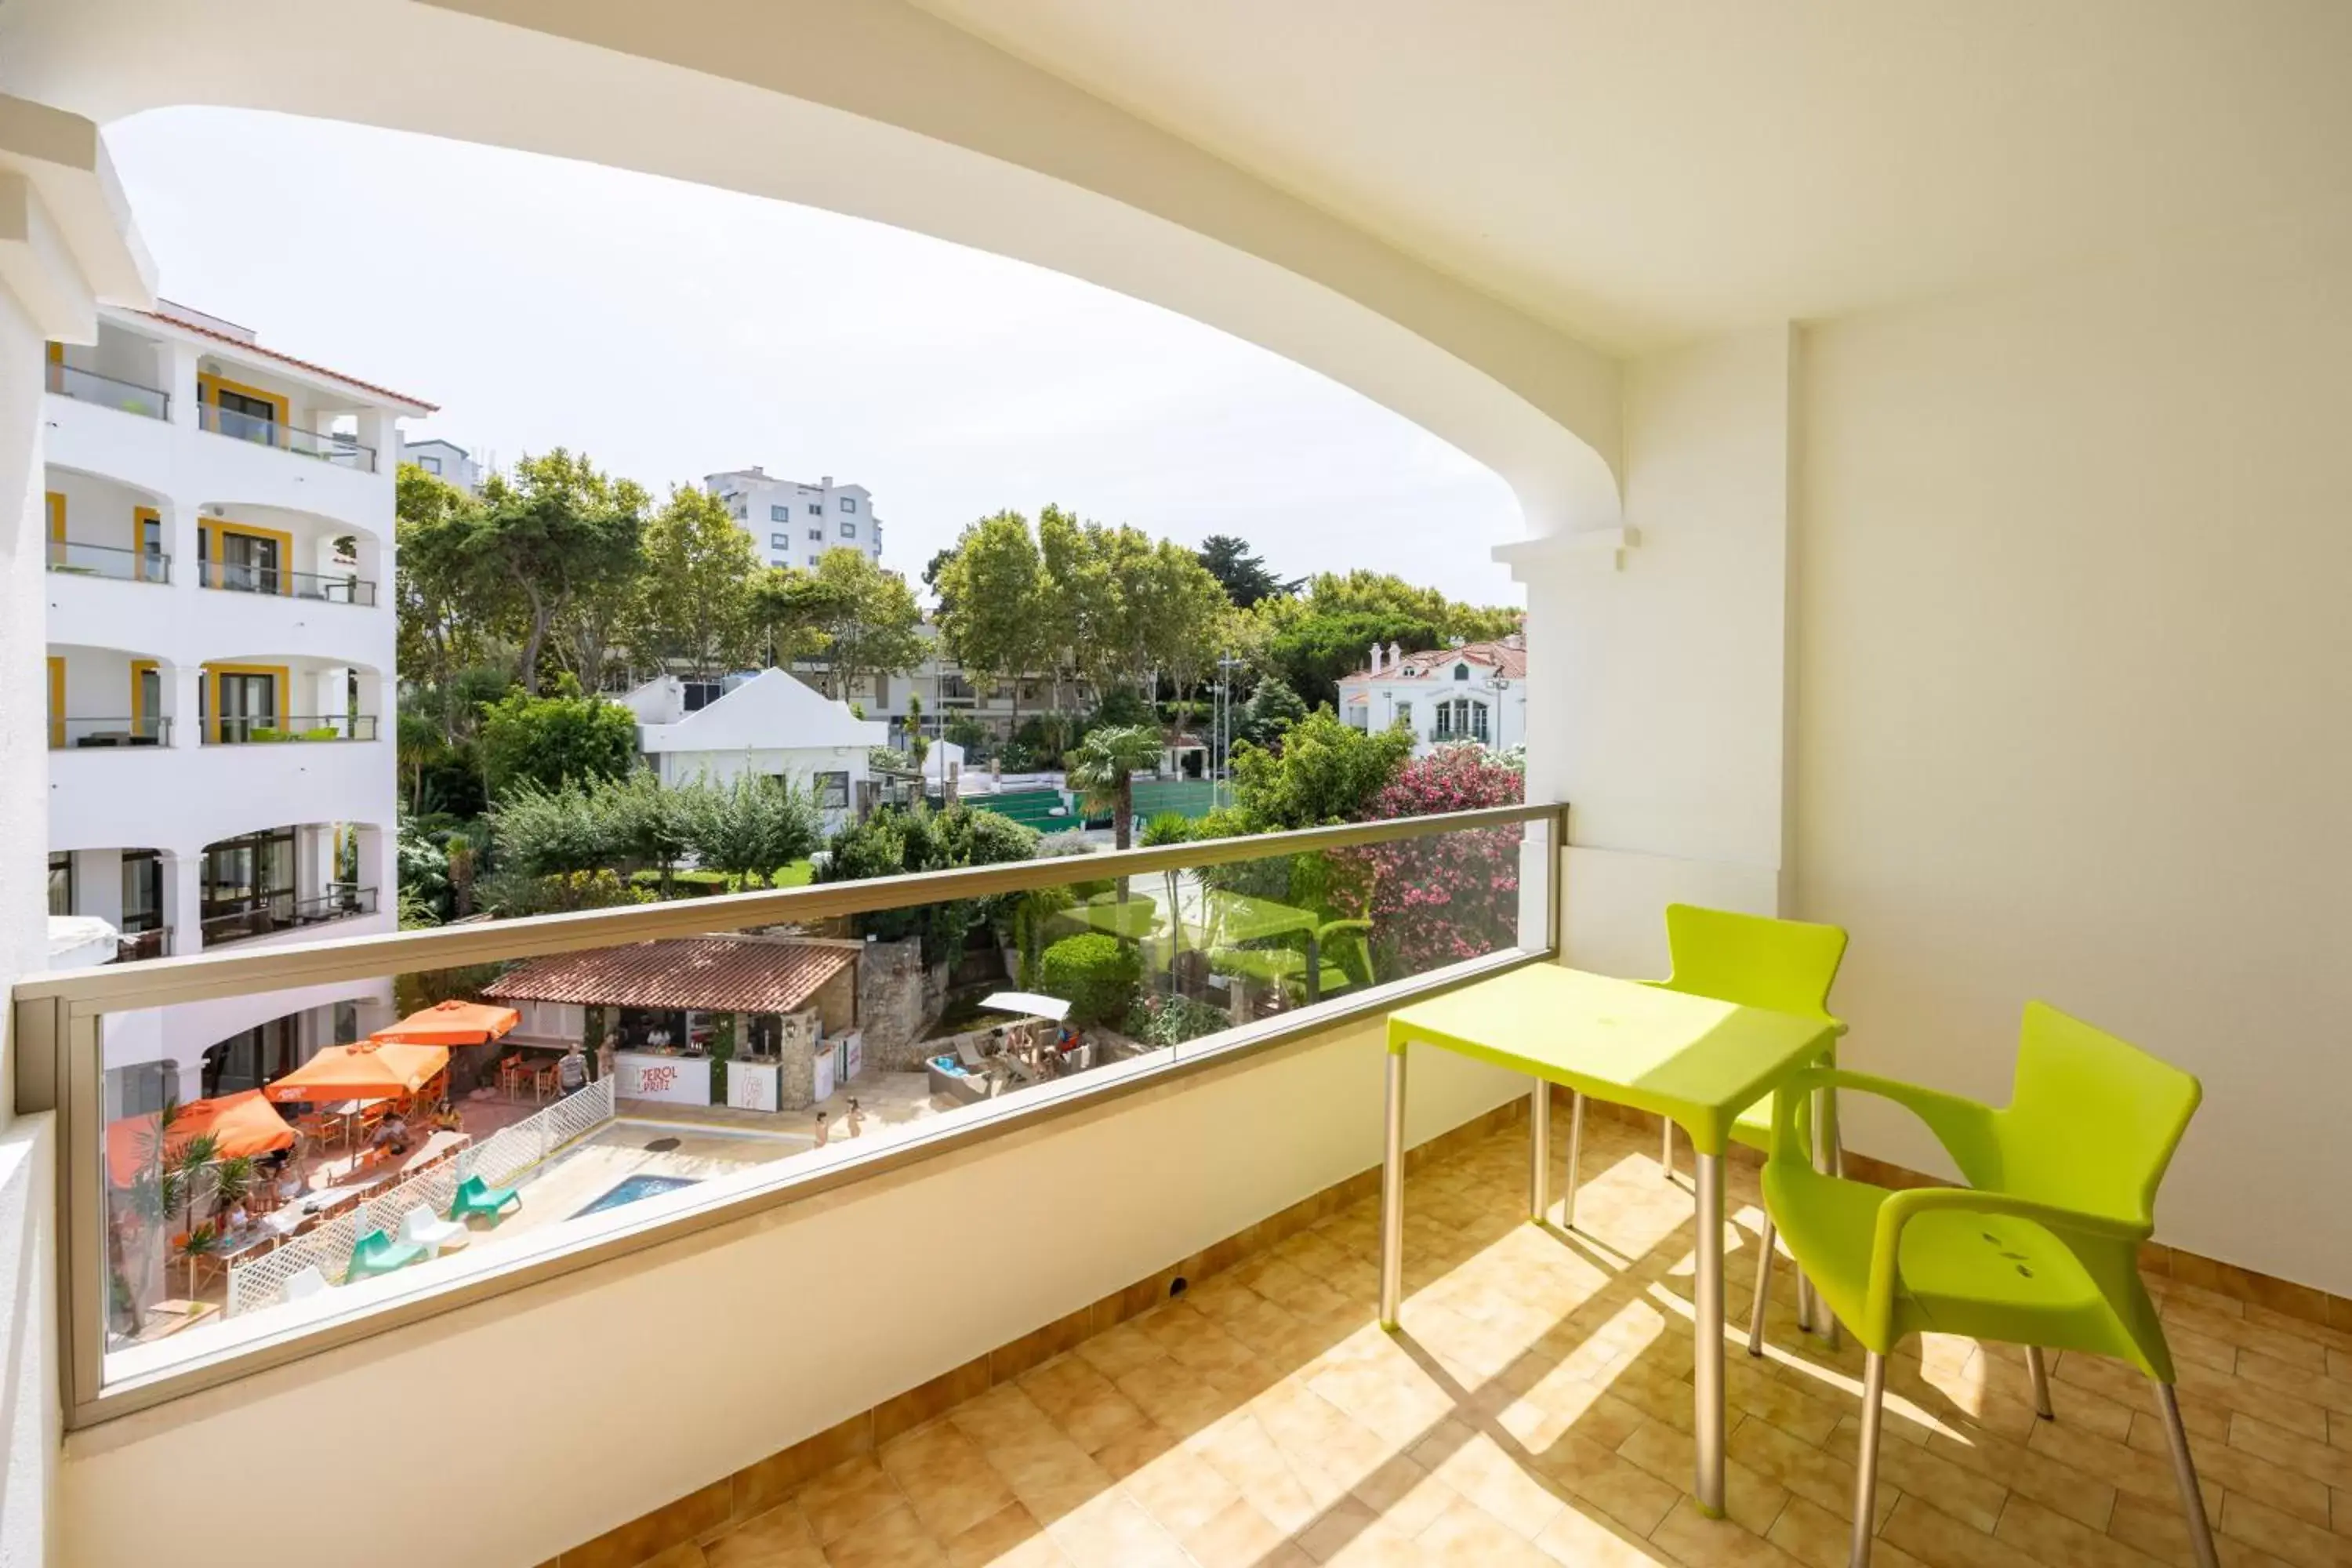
{"type": "Point", "coordinates": [1476, 691]}
{"type": "Point", "coordinates": [793, 524]}
{"type": "Point", "coordinates": [220, 635]}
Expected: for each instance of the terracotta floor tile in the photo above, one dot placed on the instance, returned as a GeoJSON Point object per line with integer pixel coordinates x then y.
{"type": "Point", "coordinates": [1075, 1396]}
{"type": "Point", "coordinates": [1702, 1542]}
{"type": "Point", "coordinates": [1180, 1490]}
{"type": "Point", "coordinates": [1465, 1534]}
{"type": "Point", "coordinates": [1822, 1539]}
{"type": "Point", "coordinates": [1009, 1538]}
{"type": "Point", "coordinates": [943, 1474]}
{"type": "Point", "coordinates": [2047, 1536]}
{"type": "Point", "coordinates": [1943, 1541]}
{"type": "Point", "coordinates": [1240, 1537]}
{"type": "Point", "coordinates": [2284, 1536]}
{"type": "Point", "coordinates": [846, 1496]}
{"type": "Point", "coordinates": [1351, 1535]}
{"type": "Point", "coordinates": [892, 1539]}
{"type": "Point", "coordinates": [1752, 1501]}
{"type": "Point", "coordinates": [779, 1537]}
{"type": "Point", "coordinates": [1583, 1537]}
{"type": "Point", "coordinates": [2240, 1470]}
{"type": "Point", "coordinates": [1112, 1531]}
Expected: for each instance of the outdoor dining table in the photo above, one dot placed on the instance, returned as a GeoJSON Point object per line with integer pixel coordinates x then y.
{"type": "Point", "coordinates": [1242, 917]}
{"type": "Point", "coordinates": [1696, 1061]}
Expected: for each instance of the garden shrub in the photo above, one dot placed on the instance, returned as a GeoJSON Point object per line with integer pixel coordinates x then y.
{"type": "Point", "coordinates": [1172, 1020]}
{"type": "Point", "coordinates": [1096, 974]}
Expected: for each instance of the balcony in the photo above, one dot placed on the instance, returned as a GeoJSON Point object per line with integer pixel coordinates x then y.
{"type": "Point", "coordinates": [326, 588]}
{"type": "Point", "coordinates": [109, 561]}
{"type": "Point", "coordinates": [238, 731]}
{"type": "Point", "coordinates": [99, 735]}
{"type": "Point", "coordinates": [88, 386]}
{"type": "Point", "coordinates": [342, 452]}
{"type": "Point", "coordinates": [275, 915]}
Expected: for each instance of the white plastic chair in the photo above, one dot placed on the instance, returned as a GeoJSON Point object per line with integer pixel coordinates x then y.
{"type": "Point", "coordinates": [422, 1228]}
{"type": "Point", "coordinates": [305, 1281]}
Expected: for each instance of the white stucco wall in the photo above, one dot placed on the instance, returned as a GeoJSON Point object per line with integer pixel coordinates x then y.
{"type": "Point", "coordinates": [2074, 685]}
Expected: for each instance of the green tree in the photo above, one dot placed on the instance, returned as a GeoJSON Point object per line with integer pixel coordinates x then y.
{"type": "Point", "coordinates": [648, 823]}
{"type": "Point", "coordinates": [694, 600]}
{"type": "Point", "coordinates": [1314, 639]}
{"type": "Point", "coordinates": [547, 740]}
{"type": "Point", "coordinates": [1185, 617]}
{"type": "Point", "coordinates": [447, 615]}
{"type": "Point", "coordinates": [1103, 770]}
{"type": "Point", "coordinates": [894, 841]}
{"type": "Point", "coordinates": [1269, 714]}
{"type": "Point", "coordinates": [556, 830]}
{"type": "Point", "coordinates": [1169, 827]}
{"type": "Point", "coordinates": [750, 826]}
{"type": "Point", "coordinates": [1325, 772]}
{"type": "Point", "coordinates": [996, 606]}
{"type": "Point", "coordinates": [789, 610]}
{"type": "Point", "coordinates": [873, 628]}
{"type": "Point", "coordinates": [1241, 572]}
{"type": "Point", "coordinates": [919, 745]}
{"type": "Point", "coordinates": [555, 533]}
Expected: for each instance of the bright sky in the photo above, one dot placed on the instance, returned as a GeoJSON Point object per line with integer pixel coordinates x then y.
{"type": "Point", "coordinates": [671, 330]}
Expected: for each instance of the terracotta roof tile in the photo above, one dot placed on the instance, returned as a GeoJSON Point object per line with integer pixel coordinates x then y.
{"type": "Point", "coordinates": [244, 346]}
{"type": "Point", "coordinates": [711, 973]}
{"type": "Point", "coordinates": [1503, 658]}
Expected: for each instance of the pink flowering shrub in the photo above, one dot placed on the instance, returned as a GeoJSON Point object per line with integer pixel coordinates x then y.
{"type": "Point", "coordinates": [1438, 900]}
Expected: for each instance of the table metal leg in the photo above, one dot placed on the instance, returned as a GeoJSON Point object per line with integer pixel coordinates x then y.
{"type": "Point", "coordinates": [1575, 1159]}
{"type": "Point", "coordinates": [1392, 1197]}
{"type": "Point", "coordinates": [1666, 1149]}
{"type": "Point", "coordinates": [1763, 1290]}
{"type": "Point", "coordinates": [1540, 1150]}
{"type": "Point", "coordinates": [1706, 1359]}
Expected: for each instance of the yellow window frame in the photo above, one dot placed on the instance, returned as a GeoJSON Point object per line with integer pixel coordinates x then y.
{"type": "Point", "coordinates": [209, 573]}
{"type": "Point", "coordinates": [213, 672]}
{"type": "Point", "coordinates": [56, 702]}
{"type": "Point", "coordinates": [141, 516]}
{"type": "Point", "coordinates": [139, 667]}
{"type": "Point", "coordinates": [210, 387]}
{"type": "Point", "coordinates": [56, 504]}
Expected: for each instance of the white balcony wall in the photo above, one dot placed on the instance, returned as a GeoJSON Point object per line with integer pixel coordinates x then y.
{"type": "Point", "coordinates": [885, 1294]}
{"type": "Point", "coordinates": [182, 1034]}
{"type": "Point", "coordinates": [181, 798]}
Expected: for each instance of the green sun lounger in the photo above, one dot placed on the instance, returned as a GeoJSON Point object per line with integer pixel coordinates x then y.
{"type": "Point", "coordinates": [377, 1253]}
{"type": "Point", "coordinates": [476, 1196]}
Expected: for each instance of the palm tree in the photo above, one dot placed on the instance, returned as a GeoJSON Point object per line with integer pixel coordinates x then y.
{"type": "Point", "coordinates": [1103, 770]}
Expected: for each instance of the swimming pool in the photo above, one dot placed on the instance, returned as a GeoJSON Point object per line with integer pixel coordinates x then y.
{"type": "Point", "coordinates": [633, 1188]}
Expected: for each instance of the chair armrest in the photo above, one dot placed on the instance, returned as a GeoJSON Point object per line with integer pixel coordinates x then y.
{"type": "Point", "coordinates": [1900, 1208]}
{"type": "Point", "coordinates": [1963, 1127]}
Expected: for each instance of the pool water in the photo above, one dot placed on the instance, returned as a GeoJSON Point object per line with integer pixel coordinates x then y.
{"type": "Point", "coordinates": [634, 1188]}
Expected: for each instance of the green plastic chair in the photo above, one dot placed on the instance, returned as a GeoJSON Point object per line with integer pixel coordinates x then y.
{"type": "Point", "coordinates": [1753, 960]}
{"type": "Point", "coordinates": [2041, 1249]}
{"type": "Point", "coordinates": [476, 1196]}
{"type": "Point", "coordinates": [377, 1253]}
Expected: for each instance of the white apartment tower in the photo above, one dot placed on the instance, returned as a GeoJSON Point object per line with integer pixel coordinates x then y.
{"type": "Point", "coordinates": [220, 634]}
{"type": "Point", "coordinates": [793, 524]}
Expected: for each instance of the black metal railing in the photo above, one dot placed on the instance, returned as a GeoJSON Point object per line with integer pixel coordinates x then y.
{"type": "Point", "coordinates": [80, 559]}
{"type": "Point", "coordinates": [278, 913]}
{"type": "Point", "coordinates": [88, 386]}
{"type": "Point", "coordinates": [340, 451]}
{"type": "Point", "coordinates": [329, 588]}
{"type": "Point", "coordinates": [70, 733]}
{"type": "Point", "coordinates": [239, 730]}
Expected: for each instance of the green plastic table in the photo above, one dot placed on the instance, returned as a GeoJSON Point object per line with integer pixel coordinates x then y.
{"type": "Point", "coordinates": [1697, 1061]}
{"type": "Point", "coordinates": [1240, 918]}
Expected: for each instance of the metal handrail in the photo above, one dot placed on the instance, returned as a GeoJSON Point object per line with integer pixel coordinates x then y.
{"type": "Point", "coordinates": [297, 728]}
{"type": "Point", "coordinates": [333, 588]}
{"type": "Point", "coordinates": [200, 978]}
{"type": "Point", "coordinates": [113, 561]}
{"type": "Point", "coordinates": [339, 450]}
{"type": "Point", "coordinates": [280, 912]}
{"type": "Point", "coordinates": [107, 392]}
{"type": "Point", "coordinates": [74, 734]}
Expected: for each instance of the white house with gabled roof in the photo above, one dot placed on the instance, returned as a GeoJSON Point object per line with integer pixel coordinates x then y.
{"type": "Point", "coordinates": [1477, 691]}
{"type": "Point", "coordinates": [770, 724]}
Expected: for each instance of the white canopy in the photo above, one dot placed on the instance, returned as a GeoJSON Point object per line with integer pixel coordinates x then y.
{"type": "Point", "coordinates": [1026, 1002]}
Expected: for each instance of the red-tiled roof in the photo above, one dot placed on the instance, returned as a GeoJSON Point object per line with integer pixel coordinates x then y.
{"type": "Point", "coordinates": [246, 346]}
{"type": "Point", "coordinates": [1501, 658]}
{"type": "Point", "coordinates": [709, 974]}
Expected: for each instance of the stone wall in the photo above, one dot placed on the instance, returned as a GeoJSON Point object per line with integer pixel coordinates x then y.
{"type": "Point", "coordinates": [900, 997]}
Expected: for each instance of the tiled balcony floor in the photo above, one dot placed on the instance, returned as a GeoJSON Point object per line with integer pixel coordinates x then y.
{"type": "Point", "coordinates": [1536, 1409]}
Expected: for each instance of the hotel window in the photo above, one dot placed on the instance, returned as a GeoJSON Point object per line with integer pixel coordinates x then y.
{"type": "Point", "coordinates": [848, 530]}
{"type": "Point", "coordinates": [816, 509]}
{"type": "Point", "coordinates": [816, 533]}
{"type": "Point", "coordinates": [249, 885]}
{"type": "Point", "coordinates": [430, 465]}
{"type": "Point", "coordinates": [780, 541]}
{"type": "Point", "coordinates": [779, 512]}
{"type": "Point", "coordinates": [849, 503]}
{"type": "Point", "coordinates": [143, 890]}
{"type": "Point", "coordinates": [61, 885]}
{"type": "Point", "coordinates": [247, 419]}
{"type": "Point", "coordinates": [1404, 714]}
{"type": "Point", "coordinates": [833, 790]}
{"type": "Point", "coordinates": [1461, 672]}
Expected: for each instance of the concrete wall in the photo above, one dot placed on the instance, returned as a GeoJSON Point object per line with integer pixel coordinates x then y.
{"type": "Point", "coordinates": [2074, 685]}
{"type": "Point", "coordinates": [873, 1291]}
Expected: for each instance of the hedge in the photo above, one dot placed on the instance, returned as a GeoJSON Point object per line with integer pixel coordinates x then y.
{"type": "Point", "coordinates": [1097, 975]}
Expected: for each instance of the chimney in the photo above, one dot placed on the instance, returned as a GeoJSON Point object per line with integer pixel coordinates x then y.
{"type": "Point", "coordinates": [827, 481]}
{"type": "Point", "coordinates": [1514, 640]}
{"type": "Point", "coordinates": [1396, 652]}
{"type": "Point", "coordinates": [1376, 659]}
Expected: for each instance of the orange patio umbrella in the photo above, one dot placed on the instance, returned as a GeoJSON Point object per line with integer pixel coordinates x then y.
{"type": "Point", "coordinates": [244, 1124]}
{"type": "Point", "coordinates": [368, 1070]}
{"type": "Point", "coordinates": [452, 1024]}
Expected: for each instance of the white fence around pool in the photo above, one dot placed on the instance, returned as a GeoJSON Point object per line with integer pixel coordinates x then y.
{"type": "Point", "coordinates": [498, 1160]}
